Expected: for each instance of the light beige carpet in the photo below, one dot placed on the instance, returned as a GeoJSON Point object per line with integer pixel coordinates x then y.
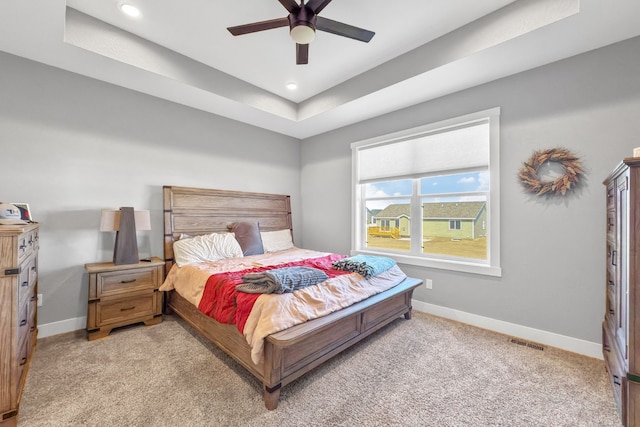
{"type": "Point", "coordinates": [426, 371]}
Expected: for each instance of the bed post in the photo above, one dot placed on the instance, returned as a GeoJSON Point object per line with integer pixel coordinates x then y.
{"type": "Point", "coordinates": [272, 374]}
{"type": "Point", "coordinates": [271, 397]}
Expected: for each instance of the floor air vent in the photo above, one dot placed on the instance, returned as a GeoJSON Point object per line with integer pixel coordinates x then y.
{"type": "Point", "coordinates": [526, 344]}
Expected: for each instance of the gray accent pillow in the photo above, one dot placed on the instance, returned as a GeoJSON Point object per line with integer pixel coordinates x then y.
{"type": "Point", "coordinates": [248, 236]}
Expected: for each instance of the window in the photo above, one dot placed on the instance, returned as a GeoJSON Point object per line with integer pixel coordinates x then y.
{"type": "Point", "coordinates": [429, 196]}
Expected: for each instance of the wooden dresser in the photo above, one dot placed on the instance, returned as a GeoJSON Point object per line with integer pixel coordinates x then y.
{"type": "Point", "coordinates": [18, 313]}
{"type": "Point", "coordinates": [621, 325]}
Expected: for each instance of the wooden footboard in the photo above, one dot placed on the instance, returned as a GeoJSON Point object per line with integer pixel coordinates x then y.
{"type": "Point", "coordinates": [293, 352]}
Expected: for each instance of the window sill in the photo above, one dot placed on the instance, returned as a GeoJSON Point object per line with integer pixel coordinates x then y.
{"type": "Point", "coordinates": [442, 264]}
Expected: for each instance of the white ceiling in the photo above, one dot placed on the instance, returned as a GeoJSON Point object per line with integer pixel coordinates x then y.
{"type": "Point", "coordinates": [182, 52]}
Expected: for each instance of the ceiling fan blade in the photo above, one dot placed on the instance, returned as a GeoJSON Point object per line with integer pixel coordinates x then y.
{"type": "Point", "coordinates": [290, 5]}
{"type": "Point", "coordinates": [258, 26]}
{"type": "Point", "coordinates": [302, 54]}
{"type": "Point", "coordinates": [344, 30]}
{"type": "Point", "coordinates": [317, 5]}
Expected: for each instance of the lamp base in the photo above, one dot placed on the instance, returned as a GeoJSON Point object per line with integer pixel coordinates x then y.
{"type": "Point", "coordinates": [126, 247]}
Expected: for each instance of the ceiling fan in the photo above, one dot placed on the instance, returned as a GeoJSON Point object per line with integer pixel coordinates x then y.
{"type": "Point", "coordinates": [303, 21]}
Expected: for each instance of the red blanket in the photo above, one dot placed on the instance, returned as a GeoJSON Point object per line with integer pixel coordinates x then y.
{"type": "Point", "coordinates": [221, 301]}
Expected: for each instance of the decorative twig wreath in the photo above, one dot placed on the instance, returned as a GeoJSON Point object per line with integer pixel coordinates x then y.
{"type": "Point", "coordinates": [533, 184]}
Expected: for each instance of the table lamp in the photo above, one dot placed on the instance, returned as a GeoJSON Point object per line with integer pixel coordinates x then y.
{"type": "Point", "coordinates": [125, 222]}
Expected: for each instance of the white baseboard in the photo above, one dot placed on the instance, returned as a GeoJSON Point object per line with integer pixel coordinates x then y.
{"type": "Point", "coordinates": [61, 327]}
{"type": "Point", "coordinates": [574, 345]}
{"type": "Point", "coordinates": [586, 348]}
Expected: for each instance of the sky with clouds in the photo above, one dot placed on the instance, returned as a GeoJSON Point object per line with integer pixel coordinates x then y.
{"type": "Point", "coordinates": [450, 188]}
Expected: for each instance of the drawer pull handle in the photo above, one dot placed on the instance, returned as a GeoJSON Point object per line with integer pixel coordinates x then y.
{"type": "Point", "coordinates": [128, 281]}
{"type": "Point", "coordinates": [23, 322]}
{"type": "Point", "coordinates": [616, 380]}
{"type": "Point", "coordinates": [23, 361]}
{"type": "Point", "coordinates": [611, 283]}
{"type": "Point", "coordinates": [128, 308]}
{"type": "Point", "coordinates": [612, 311]}
{"type": "Point", "coordinates": [33, 328]}
{"type": "Point", "coordinates": [606, 347]}
{"type": "Point", "coordinates": [613, 258]}
{"type": "Point", "coordinates": [33, 298]}
{"type": "Point", "coordinates": [25, 284]}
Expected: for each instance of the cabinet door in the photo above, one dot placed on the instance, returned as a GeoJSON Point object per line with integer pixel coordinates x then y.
{"type": "Point", "coordinates": [622, 265]}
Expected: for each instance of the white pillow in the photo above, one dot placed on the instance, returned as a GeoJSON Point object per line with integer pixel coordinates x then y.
{"type": "Point", "coordinates": [208, 247]}
{"type": "Point", "coordinates": [273, 241]}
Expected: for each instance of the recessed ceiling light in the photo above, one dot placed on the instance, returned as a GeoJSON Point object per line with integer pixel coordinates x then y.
{"type": "Point", "coordinates": [292, 85]}
{"type": "Point", "coordinates": [130, 10]}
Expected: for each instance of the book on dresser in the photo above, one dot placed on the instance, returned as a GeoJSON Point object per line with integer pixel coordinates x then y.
{"type": "Point", "coordinates": [18, 313]}
{"type": "Point", "coordinates": [621, 324]}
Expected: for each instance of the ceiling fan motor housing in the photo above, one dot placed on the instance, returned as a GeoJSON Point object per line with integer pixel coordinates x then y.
{"type": "Point", "coordinates": [302, 25]}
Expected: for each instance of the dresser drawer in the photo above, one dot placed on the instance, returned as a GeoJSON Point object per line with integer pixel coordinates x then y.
{"type": "Point", "coordinates": [23, 358]}
{"type": "Point", "coordinates": [23, 283]}
{"type": "Point", "coordinates": [126, 310]}
{"type": "Point", "coordinates": [22, 323]}
{"type": "Point", "coordinates": [27, 279]}
{"type": "Point", "coordinates": [617, 377]}
{"type": "Point", "coordinates": [610, 315]}
{"type": "Point", "coordinates": [27, 245]}
{"type": "Point", "coordinates": [611, 226]}
{"type": "Point", "coordinates": [611, 195]}
{"type": "Point", "coordinates": [118, 283]}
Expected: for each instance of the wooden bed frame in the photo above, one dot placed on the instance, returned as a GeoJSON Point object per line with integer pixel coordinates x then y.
{"type": "Point", "coordinates": [291, 353]}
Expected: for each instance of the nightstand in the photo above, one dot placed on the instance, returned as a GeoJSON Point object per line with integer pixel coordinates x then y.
{"type": "Point", "coordinates": [121, 295]}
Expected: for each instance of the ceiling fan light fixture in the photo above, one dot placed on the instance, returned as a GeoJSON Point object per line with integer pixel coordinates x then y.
{"type": "Point", "coordinates": [302, 34]}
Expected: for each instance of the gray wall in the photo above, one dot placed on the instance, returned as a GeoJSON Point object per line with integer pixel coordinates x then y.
{"type": "Point", "coordinates": [552, 249]}
{"type": "Point", "coordinates": [71, 146]}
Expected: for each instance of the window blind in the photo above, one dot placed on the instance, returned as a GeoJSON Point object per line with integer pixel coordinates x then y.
{"type": "Point", "coordinates": [462, 147]}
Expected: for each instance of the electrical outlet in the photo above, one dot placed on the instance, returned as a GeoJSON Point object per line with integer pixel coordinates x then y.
{"type": "Point", "coordinates": [428, 283]}
{"type": "Point", "coordinates": [39, 300]}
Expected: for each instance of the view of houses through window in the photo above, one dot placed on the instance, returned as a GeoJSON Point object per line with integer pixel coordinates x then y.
{"type": "Point", "coordinates": [453, 215]}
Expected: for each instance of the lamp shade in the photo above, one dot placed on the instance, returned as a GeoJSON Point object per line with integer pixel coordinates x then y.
{"type": "Point", "coordinates": [125, 222]}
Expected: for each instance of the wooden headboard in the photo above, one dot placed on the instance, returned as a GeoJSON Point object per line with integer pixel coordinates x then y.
{"type": "Point", "coordinates": [195, 211]}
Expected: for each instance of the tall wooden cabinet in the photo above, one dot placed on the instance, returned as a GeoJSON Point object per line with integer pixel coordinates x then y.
{"type": "Point", "coordinates": [621, 325]}
{"type": "Point", "coordinates": [18, 313]}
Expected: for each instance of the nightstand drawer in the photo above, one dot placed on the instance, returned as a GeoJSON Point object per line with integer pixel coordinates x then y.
{"type": "Point", "coordinates": [118, 283]}
{"type": "Point", "coordinates": [123, 311]}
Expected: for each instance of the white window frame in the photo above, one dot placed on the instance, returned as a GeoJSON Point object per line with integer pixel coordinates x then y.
{"type": "Point", "coordinates": [491, 266]}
